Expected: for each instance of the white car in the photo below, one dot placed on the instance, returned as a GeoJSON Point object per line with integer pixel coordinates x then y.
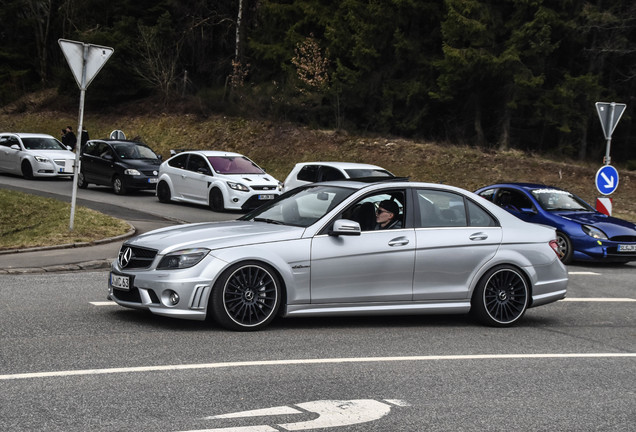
{"type": "Point", "coordinates": [221, 180]}
{"type": "Point", "coordinates": [35, 155]}
{"type": "Point", "coordinates": [312, 172]}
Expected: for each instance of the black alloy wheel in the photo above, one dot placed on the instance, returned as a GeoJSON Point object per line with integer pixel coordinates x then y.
{"type": "Point", "coordinates": [27, 170]}
{"type": "Point", "coordinates": [501, 297]}
{"type": "Point", "coordinates": [216, 200]}
{"type": "Point", "coordinates": [246, 297]}
{"type": "Point", "coordinates": [163, 192]}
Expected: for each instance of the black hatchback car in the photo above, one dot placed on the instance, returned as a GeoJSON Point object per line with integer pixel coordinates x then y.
{"type": "Point", "coordinates": [124, 165]}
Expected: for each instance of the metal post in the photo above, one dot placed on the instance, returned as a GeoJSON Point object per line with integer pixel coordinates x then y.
{"type": "Point", "coordinates": [608, 159]}
{"type": "Point", "coordinates": [78, 145]}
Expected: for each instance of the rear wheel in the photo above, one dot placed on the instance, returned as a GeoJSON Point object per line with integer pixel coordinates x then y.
{"type": "Point", "coordinates": [163, 192]}
{"type": "Point", "coordinates": [564, 248]}
{"type": "Point", "coordinates": [27, 170]}
{"type": "Point", "coordinates": [246, 297]}
{"type": "Point", "coordinates": [216, 200]}
{"type": "Point", "coordinates": [501, 297]}
{"type": "Point", "coordinates": [81, 181]}
{"type": "Point", "coordinates": [118, 186]}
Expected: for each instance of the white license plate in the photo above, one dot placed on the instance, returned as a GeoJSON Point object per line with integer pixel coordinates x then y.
{"type": "Point", "coordinates": [627, 248]}
{"type": "Point", "coordinates": [120, 282]}
{"type": "Point", "coordinates": [153, 180]}
{"type": "Point", "coordinates": [266, 197]}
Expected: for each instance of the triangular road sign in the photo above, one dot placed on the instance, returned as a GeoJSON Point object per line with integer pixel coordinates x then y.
{"type": "Point", "coordinates": [609, 114]}
{"type": "Point", "coordinates": [85, 60]}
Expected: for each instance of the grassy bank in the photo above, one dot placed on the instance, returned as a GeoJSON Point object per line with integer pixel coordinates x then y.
{"type": "Point", "coordinates": [29, 221]}
{"type": "Point", "coordinates": [278, 146]}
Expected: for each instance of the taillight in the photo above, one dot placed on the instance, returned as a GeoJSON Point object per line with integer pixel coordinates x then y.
{"type": "Point", "coordinates": [555, 247]}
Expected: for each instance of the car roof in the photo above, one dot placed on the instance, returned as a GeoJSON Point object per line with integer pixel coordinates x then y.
{"type": "Point", "coordinates": [342, 165]}
{"type": "Point", "coordinates": [397, 182]}
{"type": "Point", "coordinates": [526, 186]}
{"type": "Point", "coordinates": [207, 153]}
{"type": "Point", "coordinates": [116, 141]}
{"type": "Point", "coordinates": [27, 135]}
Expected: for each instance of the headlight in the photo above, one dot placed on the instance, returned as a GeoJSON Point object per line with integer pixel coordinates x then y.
{"type": "Point", "coordinates": [40, 159]}
{"type": "Point", "coordinates": [131, 171]}
{"type": "Point", "coordinates": [182, 259]}
{"type": "Point", "coordinates": [280, 186]}
{"type": "Point", "coordinates": [238, 186]}
{"type": "Point", "coordinates": [594, 232]}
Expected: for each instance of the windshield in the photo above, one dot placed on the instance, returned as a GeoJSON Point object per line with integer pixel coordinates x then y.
{"type": "Point", "coordinates": [42, 144]}
{"type": "Point", "coordinates": [134, 151]}
{"type": "Point", "coordinates": [234, 165]}
{"type": "Point", "coordinates": [300, 207]}
{"type": "Point", "coordinates": [554, 199]}
{"type": "Point", "coordinates": [368, 172]}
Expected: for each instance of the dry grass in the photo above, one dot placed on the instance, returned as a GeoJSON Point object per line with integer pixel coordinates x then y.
{"type": "Point", "coordinates": [29, 221]}
{"type": "Point", "coordinates": [278, 146]}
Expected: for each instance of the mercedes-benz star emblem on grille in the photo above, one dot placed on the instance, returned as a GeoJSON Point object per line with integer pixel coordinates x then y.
{"type": "Point", "coordinates": [125, 256]}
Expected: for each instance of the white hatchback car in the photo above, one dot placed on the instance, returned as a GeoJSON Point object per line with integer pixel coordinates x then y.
{"type": "Point", "coordinates": [221, 180]}
{"type": "Point", "coordinates": [312, 172]}
{"type": "Point", "coordinates": [35, 155]}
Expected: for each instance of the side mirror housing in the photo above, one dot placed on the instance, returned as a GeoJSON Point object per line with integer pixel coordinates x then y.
{"type": "Point", "coordinates": [345, 227]}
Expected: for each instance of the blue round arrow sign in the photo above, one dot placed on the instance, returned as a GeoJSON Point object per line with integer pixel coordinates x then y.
{"type": "Point", "coordinates": [607, 179]}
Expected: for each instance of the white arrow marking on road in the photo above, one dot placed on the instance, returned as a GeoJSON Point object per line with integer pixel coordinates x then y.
{"type": "Point", "coordinates": [609, 181]}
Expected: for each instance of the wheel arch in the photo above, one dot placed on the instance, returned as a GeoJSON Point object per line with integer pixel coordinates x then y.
{"type": "Point", "coordinates": [526, 270]}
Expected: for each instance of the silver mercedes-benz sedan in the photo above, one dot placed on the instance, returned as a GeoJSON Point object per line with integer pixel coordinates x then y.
{"type": "Point", "coordinates": [346, 248]}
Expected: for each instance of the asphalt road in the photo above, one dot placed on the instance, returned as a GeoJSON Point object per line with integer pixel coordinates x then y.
{"type": "Point", "coordinates": [72, 361]}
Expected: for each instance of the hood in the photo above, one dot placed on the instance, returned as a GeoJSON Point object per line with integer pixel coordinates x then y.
{"type": "Point", "coordinates": [53, 154]}
{"type": "Point", "coordinates": [215, 235]}
{"type": "Point", "coordinates": [143, 164]}
{"type": "Point", "coordinates": [611, 226]}
{"type": "Point", "coordinates": [256, 179]}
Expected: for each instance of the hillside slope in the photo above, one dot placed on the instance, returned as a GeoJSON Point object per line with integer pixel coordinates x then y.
{"type": "Point", "coordinates": [278, 146]}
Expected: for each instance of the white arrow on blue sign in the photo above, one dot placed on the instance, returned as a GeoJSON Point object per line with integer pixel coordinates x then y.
{"type": "Point", "coordinates": [607, 179]}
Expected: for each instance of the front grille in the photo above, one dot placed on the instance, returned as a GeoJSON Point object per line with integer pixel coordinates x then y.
{"type": "Point", "coordinates": [624, 239]}
{"type": "Point", "coordinates": [264, 188]}
{"type": "Point", "coordinates": [139, 257]}
{"type": "Point", "coordinates": [131, 296]}
{"type": "Point", "coordinates": [150, 173]}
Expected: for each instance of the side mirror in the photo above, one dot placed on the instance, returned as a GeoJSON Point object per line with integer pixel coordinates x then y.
{"type": "Point", "coordinates": [345, 227]}
{"type": "Point", "coordinates": [15, 147]}
{"type": "Point", "coordinates": [108, 157]}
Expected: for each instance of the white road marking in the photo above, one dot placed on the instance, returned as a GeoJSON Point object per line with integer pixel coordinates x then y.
{"type": "Point", "coordinates": [598, 299]}
{"type": "Point", "coordinates": [281, 410]}
{"type": "Point", "coordinates": [586, 273]}
{"type": "Point", "coordinates": [104, 303]}
{"type": "Point", "coordinates": [195, 366]}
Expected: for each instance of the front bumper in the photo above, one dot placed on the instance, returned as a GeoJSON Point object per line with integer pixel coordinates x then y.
{"type": "Point", "coordinates": [140, 182]}
{"type": "Point", "coordinates": [151, 289]}
{"type": "Point", "coordinates": [53, 168]}
{"type": "Point", "coordinates": [602, 250]}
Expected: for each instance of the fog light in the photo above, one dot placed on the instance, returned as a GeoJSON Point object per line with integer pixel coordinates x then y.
{"type": "Point", "coordinates": [235, 199]}
{"type": "Point", "coordinates": [170, 298]}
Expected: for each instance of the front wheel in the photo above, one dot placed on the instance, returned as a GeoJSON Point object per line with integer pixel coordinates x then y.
{"type": "Point", "coordinates": [501, 297]}
{"type": "Point", "coordinates": [118, 186]}
{"type": "Point", "coordinates": [564, 246]}
{"type": "Point", "coordinates": [246, 297]}
{"type": "Point", "coordinates": [216, 200]}
{"type": "Point", "coordinates": [163, 192]}
{"type": "Point", "coordinates": [81, 181]}
{"type": "Point", "coordinates": [27, 170]}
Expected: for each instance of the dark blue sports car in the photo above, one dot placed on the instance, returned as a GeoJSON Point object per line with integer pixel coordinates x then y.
{"type": "Point", "coordinates": [582, 232]}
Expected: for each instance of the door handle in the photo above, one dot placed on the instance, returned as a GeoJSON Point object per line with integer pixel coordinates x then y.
{"type": "Point", "coordinates": [479, 236]}
{"type": "Point", "coordinates": [400, 241]}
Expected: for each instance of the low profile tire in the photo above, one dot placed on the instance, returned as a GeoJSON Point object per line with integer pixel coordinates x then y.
{"type": "Point", "coordinates": [163, 192]}
{"type": "Point", "coordinates": [246, 297]}
{"type": "Point", "coordinates": [564, 248]}
{"type": "Point", "coordinates": [118, 186]}
{"type": "Point", "coordinates": [501, 297]}
{"type": "Point", "coordinates": [81, 181]}
{"type": "Point", "coordinates": [27, 170]}
{"type": "Point", "coordinates": [216, 200]}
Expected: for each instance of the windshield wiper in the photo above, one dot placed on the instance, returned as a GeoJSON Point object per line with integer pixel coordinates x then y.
{"type": "Point", "coordinates": [271, 221]}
